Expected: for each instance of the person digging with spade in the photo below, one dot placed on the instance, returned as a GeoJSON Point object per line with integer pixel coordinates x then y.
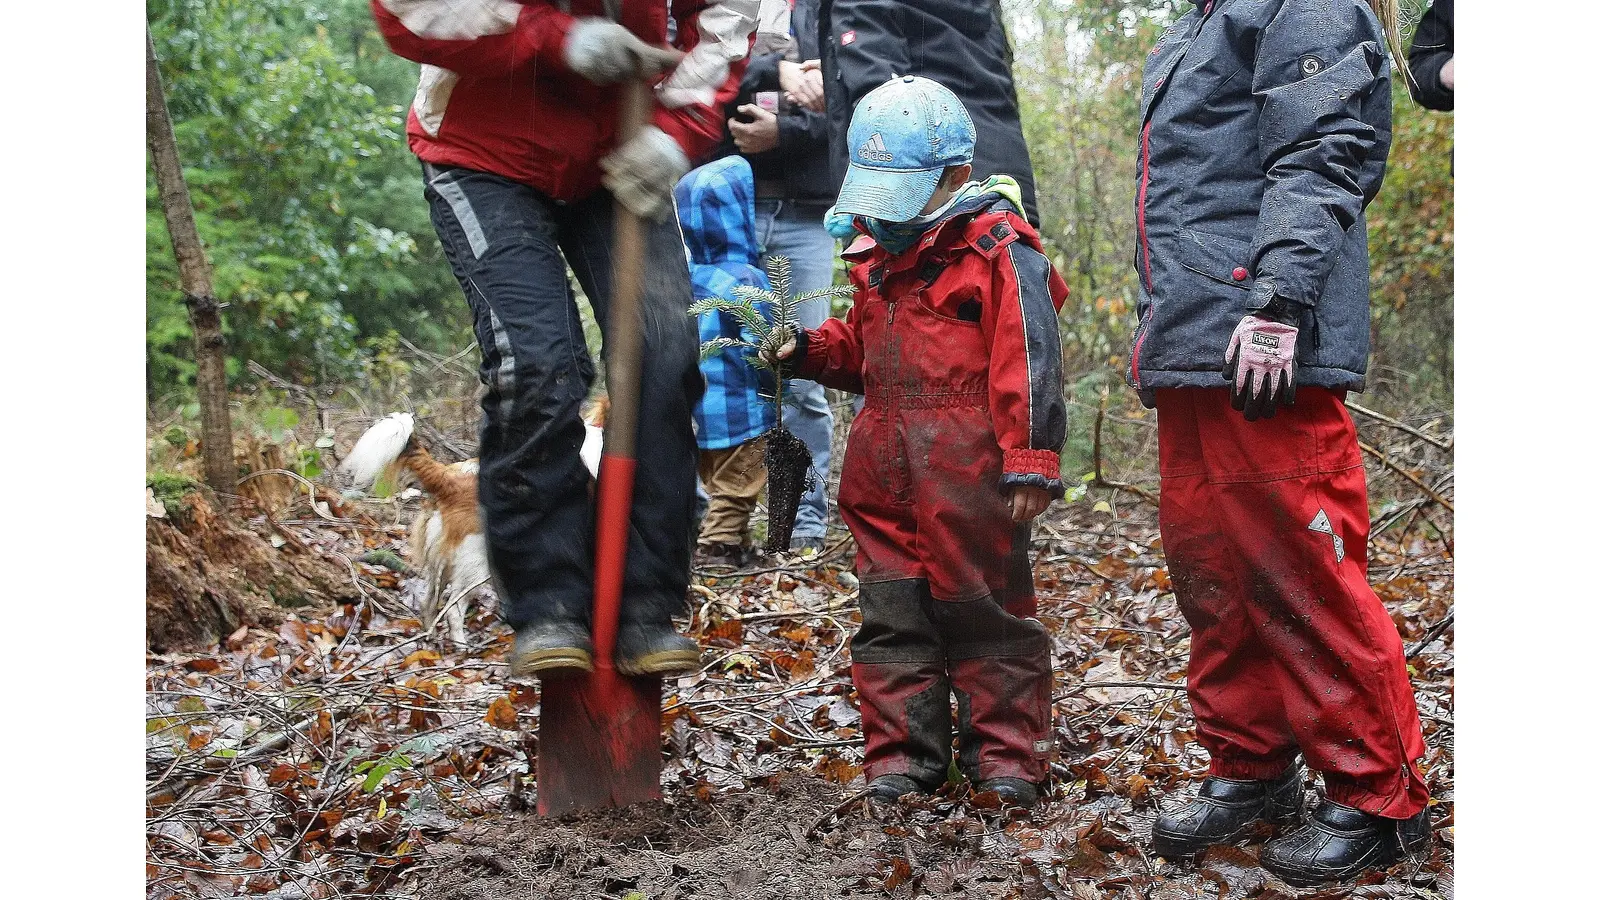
{"type": "Point", "coordinates": [1265, 133]}
{"type": "Point", "coordinates": [516, 124]}
{"type": "Point", "coordinates": [953, 340]}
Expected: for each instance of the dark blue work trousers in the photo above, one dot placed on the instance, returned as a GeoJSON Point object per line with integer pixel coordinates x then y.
{"type": "Point", "coordinates": [510, 247]}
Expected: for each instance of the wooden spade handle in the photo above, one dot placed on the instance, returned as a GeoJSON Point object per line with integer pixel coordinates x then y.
{"type": "Point", "coordinates": [624, 351]}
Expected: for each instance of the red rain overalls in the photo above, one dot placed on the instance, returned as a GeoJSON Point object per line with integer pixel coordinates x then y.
{"type": "Point", "coordinates": [955, 345]}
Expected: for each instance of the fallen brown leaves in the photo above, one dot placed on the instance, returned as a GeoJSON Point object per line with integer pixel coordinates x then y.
{"type": "Point", "coordinates": [333, 755]}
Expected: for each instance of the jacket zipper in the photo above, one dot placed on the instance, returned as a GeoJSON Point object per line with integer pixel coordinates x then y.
{"type": "Point", "coordinates": [1138, 343]}
{"type": "Point", "coordinates": [892, 410]}
{"type": "Point", "coordinates": [1144, 253]}
{"type": "Point", "coordinates": [894, 355]}
{"type": "Point", "coordinates": [1144, 193]}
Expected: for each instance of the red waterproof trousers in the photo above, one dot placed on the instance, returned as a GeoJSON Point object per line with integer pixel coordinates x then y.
{"type": "Point", "coordinates": [1265, 529]}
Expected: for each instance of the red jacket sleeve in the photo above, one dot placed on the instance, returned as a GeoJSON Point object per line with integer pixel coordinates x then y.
{"type": "Point", "coordinates": [1019, 322]}
{"type": "Point", "coordinates": [717, 37]}
{"type": "Point", "coordinates": [485, 38]}
{"type": "Point", "coordinates": [832, 354]}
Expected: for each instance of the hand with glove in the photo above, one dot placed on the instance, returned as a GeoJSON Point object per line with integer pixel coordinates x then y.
{"type": "Point", "coordinates": [1259, 364]}
{"type": "Point", "coordinates": [605, 52]}
{"type": "Point", "coordinates": [642, 172]}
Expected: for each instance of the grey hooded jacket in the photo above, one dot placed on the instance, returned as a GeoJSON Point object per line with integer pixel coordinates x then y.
{"type": "Point", "coordinates": [1265, 130]}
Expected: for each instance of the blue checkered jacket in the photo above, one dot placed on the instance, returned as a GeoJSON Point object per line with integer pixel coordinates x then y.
{"type": "Point", "coordinates": [716, 207]}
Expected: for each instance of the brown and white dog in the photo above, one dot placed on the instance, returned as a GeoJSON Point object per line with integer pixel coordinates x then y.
{"type": "Point", "coordinates": [446, 540]}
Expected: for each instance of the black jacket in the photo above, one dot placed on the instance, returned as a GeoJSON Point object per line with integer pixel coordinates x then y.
{"type": "Point", "coordinates": [1433, 45]}
{"type": "Point", "coordinates": [798, 169]}
{"type": "Point", "coordinates": [959, 43]}
{"type": "Point", "coordinates": [1265, 131]}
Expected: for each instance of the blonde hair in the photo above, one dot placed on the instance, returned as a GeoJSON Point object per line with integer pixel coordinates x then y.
{"type": "Point", "coordinates": [1388, 13]}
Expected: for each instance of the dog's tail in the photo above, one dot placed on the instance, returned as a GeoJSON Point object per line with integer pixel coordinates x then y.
{"type": "Point", "coordinates": [594, 423]}
{"type": "Point", "coordinates": [377, 453]}
{"type": "Point", "coordinates": [390, 446]}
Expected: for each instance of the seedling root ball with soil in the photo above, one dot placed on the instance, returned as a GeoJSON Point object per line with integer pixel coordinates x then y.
{"type": "Point", "coordinates": [789, 476]}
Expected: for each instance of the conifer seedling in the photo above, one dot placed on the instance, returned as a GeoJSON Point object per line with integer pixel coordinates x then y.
{"type": "Point", "coordinates": [789, 472]}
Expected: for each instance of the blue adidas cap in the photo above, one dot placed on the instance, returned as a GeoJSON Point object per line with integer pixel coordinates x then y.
{"type": "Point", "coordinates": [902, 137]}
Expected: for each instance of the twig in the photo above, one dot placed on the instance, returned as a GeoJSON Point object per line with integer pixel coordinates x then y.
{"type": "Point", "coordinates": [1393, 423]}
{"type": "Point", "coordinates": [1101, 575]}
{"type": "Point", "coordinates": [311, 492]}
{"type": "Point", "coordinates": [1155, 719]}
{"type": "Point", "coordinates": [277, 381]}
{"type": "Point", "coordinates": [218, 765]}
{"type": "Point", "coordinates": [1100, 480]}
{"type": "Point", "coordinates": [1433, 634]}
{"type": "Point", "coordinates": [848, 802]}
{"type": "Point", "coordinates": [1085, 685]}
{"type": "Point", "coordinates": [801, 612]}
{"type": "Point", "coordinates": [1391, 464]}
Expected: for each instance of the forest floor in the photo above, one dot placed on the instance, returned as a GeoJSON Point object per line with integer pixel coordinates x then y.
{"type": "Point", "coordinates": [347, 752]}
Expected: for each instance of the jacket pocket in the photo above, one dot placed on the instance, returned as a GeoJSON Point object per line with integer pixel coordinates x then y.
{"type": "Point", "coordinates": [1216, 257]}
{"type": "Point", "coordinates": [961, 307]}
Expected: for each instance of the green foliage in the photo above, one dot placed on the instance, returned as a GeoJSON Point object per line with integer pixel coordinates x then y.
{"type": "Point", "coordinates": [761, 313]}
{"type": "Point", "coordinates": [717, 345]}
{"type": "Point", "coordinates": [400, 758]}
{"type": "Point", "coordinates": [170, 488]}
{"type": "Point", "coordinates": [1078, 71]}
{"type": "Point", "coordinates": [1411, 232]}
{"type": "Point", "coordinates": [277, 424]}
{"type": "Point", "coordinates": [376, 770]}
{"type": "Point", "coordinates": [304, 193]}
{"type": "Point", "coordinates": [290, 121]}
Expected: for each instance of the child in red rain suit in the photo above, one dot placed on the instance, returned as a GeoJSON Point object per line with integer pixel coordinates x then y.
{"type": "Point", "coordinates": [953, 341]}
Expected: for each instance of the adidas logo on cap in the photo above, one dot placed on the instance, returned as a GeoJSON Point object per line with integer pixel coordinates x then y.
{"type": "Point", "coordinates": [874, 150]}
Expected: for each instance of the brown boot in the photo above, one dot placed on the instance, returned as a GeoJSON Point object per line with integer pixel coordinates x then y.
{"type": "Point", "coordinates": [552, 645]}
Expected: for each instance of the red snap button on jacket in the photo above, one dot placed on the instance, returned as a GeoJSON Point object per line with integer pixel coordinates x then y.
{"type": "Point", "coordinates": [1240, 274]}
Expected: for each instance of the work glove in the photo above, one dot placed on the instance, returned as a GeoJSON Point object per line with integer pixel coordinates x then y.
{"type": "Point", "coordinates": [1259, 366]}
{"type": "Point", "coordinates": [642, 172]}
{"type": "Point", "coordinates": [605, 52]}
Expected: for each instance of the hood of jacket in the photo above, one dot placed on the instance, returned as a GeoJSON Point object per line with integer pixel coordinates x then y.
{"type": "Point", "coordinates": [716, 207]}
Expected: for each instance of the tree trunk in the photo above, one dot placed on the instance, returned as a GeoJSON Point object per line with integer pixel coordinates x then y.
{"type": "Point", "coordinates": [194, 273]}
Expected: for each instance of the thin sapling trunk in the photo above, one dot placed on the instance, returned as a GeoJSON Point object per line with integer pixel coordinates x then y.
{"type": "Point", "coordinates": [194, 275]}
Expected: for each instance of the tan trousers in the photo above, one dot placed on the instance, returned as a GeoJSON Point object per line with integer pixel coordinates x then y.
{"type": "Point", "coordinates": [733, 477]}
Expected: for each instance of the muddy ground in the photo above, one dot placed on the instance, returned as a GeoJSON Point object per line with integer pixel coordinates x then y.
{"type": "Point", "coordinates": [347, 752]}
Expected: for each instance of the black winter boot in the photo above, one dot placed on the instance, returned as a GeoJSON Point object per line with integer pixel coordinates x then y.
{"type": "Point", "coordinates": [889, 788]}
{"type": "Point", "coordinates": [1225, 810]}
{"type": "Point", "coordinates": [1340, 842]}
{"type": "Point", "coordinates": [644, 649]}
{"type": "Point", "coordinates": [1013, 791]}
{"type": "Point", "coordinates": [552, 645]}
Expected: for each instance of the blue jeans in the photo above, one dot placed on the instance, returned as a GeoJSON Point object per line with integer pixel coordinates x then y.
{"type": "Point", "coordinates": [786, 229]}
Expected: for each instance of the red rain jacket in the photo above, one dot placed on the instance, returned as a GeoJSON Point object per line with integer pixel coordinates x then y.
{"type": "Point", "coordinates": [956, 346]}
{"type": "Point", "coordinates": [496, 95]}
